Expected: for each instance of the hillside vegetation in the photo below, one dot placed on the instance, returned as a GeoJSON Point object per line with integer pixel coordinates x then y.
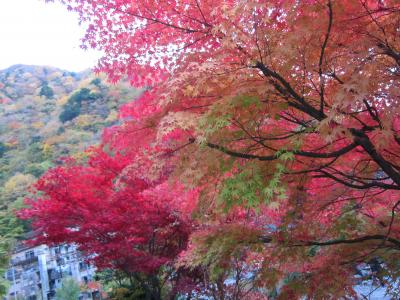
{"type": "Point", "coordinates": [47, 114]}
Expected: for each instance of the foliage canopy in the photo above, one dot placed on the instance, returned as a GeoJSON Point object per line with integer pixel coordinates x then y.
{"type": "Point", "coordinates": [269, 140]}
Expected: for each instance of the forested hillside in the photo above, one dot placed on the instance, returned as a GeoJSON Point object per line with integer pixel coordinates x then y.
{"type": "Point", "coordinates": [47, 114]}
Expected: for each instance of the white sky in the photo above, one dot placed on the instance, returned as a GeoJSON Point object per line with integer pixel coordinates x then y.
{"type": "Point", "coordinates": [37, 33]}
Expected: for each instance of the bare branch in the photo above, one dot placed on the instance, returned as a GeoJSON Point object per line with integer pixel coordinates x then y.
{"type": "Point", "coordinates": [321, 58]}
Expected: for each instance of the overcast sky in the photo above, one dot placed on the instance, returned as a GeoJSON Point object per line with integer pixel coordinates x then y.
{"type": "Point", "coordinates": [37, 33]}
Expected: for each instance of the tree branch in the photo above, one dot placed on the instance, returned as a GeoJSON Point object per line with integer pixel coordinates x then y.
{"type": "Point", "coordinates": [367, 238]}
{"type": "Point", "coordinates": [337, 153]}
{"type": "Point", "coordinates": [321, 58]}
{"type": "Point", "coordinates": [285, 89]}
{"type": "Point", "coordinates": [363, 140]}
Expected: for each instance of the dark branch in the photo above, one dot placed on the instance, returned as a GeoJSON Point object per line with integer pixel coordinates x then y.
{"type": "Point", "coordinates": [337, 153]}
{"type": "Point", "coordinates": [285, 89]}
{"type": "Point", "coordinates": [321, 58]}
{"type": "Point", "coordinates": [367, 238]}
{"type": "Point", "coordinates": [363, 140]}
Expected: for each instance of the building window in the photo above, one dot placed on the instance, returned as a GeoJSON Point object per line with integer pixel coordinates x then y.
{"type": "Point", "coordinates": [10, 275]}
{"type": "Point", "coordinates": [29, 254]}
{"type": "Point", "coordinates": [83, 266]}
{"type": "Point", "coordinates": [60, 261]}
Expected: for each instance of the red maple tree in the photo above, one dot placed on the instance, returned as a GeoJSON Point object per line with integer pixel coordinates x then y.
{"type": "Point", "coordinates": [283, 116]}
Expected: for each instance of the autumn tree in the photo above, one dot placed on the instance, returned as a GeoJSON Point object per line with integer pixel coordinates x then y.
{"type": "Point", "coordinates": [46, 91]}
{"type": "Point", "coordinates": [69, 290]}
{"type": "Point", "coordinates": [118, 218]}
{"type": "Point", "coordinates": [284, 115]}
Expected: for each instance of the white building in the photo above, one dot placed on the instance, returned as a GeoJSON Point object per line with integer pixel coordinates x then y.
{"type": "Point", "coordinates": [36, 273]}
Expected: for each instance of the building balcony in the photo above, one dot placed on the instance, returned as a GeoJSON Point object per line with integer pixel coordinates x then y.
{"type": "Point", "coordinates": [24, 261]}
